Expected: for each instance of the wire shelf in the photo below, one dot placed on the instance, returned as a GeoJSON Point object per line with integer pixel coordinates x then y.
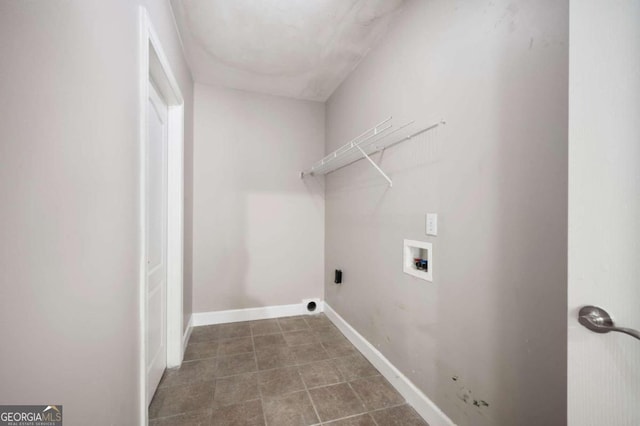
{"type": "Point", "coordinates": [383, 135]}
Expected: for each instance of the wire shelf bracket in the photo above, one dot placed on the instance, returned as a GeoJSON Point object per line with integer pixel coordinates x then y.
{"type": "Point", "coordinates": [373, 140]}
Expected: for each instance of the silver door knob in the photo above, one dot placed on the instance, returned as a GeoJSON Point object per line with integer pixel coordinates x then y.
{"type": "Point", "coordinates": [598, 320]}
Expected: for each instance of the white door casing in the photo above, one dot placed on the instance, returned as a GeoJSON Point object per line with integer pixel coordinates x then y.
{"type": "Point", "coordinates": [154, 66]}
{"type": "Point", "coordinates": [156, 240]}
{"type": "Point", "coordinates": [604, 210]}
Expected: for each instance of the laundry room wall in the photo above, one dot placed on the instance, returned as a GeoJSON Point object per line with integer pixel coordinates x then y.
{"type": "Point", "coordinates": [69, 185]}
{"type": "Point", "coordinates": [491, 327]}
{"type": "Point", "coordinates": [258, 229]}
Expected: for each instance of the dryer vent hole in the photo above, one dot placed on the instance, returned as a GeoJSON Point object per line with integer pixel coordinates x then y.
{"type": "Point", "coordinates": [311, 306]}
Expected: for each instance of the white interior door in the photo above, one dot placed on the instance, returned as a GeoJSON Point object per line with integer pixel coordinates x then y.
{"type": "Point", "coordinates": [604, 210]}
{"type": "Point", "coordinates": [156, 239]}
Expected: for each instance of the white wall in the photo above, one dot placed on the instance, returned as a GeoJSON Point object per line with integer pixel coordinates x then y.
{"type": "Point", "coordinates": [69, 175]}
{"type": "Point", "coordinates": [258, 229]}
{"type": "Point", "coordinates": [495, 314]}
{"type": "Point", "coordinates": [604, 210]}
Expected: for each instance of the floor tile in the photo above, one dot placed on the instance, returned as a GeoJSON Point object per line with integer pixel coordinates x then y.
{"type": "Point", "coordinates": [300, 337]}
{"type": "Point", "coordinates": [376, 393]}
{"type": "Point", "coordinates": [275, 357]}
{"type": "Point", "coordinates": [336, 401]}
{"type": "Point", "coordinates": [235, 346]}
{"type": "Point", "coordinates": [317, 321]}
{"type": "Point", "coordinates": [280, 381]}
{"type": "Point", "coordinates": [403, 415]}
{"type": "Point", "coordinates": [261, 342]}
{"type": "Point", "coordinates": [294, 409]}
{"type": "Point", "coordinates": [236, 364]}
{"type": "Point", "coordinates": [321, 373]}
{"type": "Point", "coordinates": [339, 347]}
{"type": "Point", "coordinates": [235, 389]}
{"type": "Point", "coordinates": [190, 372]}
{"type": "Point", "coordinates": [205, 333]}
{"type": "Point", "coordinates": [362, 420]}
{"type": "Point", "coordinates": [195, 418]}
{"type": "Point", "coordinates": [289, 370]}
{"type": "Point", "coordinates": [309, 353]}
{"type": "Point", "coordinates": [354, 367]}
{"type": "Point", "coordinates": [175, 400]}
{"type": "Point", "coordinates": [325, 334]}
{"type": "Point", "coordinates": [259, 328]}
{"type": "Point", "coordinates": [201, 350]}
{"type": "Point", "coordinates": [293, 323]}
{"type": "Point", "coordinates": [234, 330]}
{"type": "Point", "coordinates": [243, 414]}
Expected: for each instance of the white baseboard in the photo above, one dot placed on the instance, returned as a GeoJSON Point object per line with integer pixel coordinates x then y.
{"type": "Point", "coordinates": [414, 396]}
{"type": "Point", "coordinates": [187, 335]}
{"type": "Point", "coordinates": [252, 314]}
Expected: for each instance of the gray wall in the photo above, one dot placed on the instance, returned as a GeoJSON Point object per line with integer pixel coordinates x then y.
{"type": "Point", "coordinates": [496, 174]}
{"type": "Point", "coordinates": [258, 228]}
{"type": "Point", "coordinates": [69, 193]}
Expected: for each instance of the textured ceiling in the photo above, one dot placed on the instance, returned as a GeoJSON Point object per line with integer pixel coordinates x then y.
{"type": "Point", "coordinates": [297, 48]}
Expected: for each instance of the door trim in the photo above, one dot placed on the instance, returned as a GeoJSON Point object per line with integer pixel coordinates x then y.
{"type": "Point", "coordinates": [154, 65]}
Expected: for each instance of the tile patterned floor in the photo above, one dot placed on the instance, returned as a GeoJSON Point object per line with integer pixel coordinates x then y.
{"type": "Point", "coordinates": [293, 371]}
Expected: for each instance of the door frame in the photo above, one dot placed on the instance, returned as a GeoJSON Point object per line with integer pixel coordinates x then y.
{"type": "Point", "coordinates": [154, 66]}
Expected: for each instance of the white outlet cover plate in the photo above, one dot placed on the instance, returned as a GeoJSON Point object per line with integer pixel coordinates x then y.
{"type": "Point", "coordinates": [431, 224]}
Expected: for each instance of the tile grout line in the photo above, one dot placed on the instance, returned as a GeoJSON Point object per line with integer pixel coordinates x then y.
{"type": "Point", "coordinates": [298, 366]}
{"type": "Point", "coordinates": [306, 328]}
{"type": "Point", "coordinates": [255, 358]}
{"type": "Point", "coordinates": [357, 396]}
{"type": "Point", "coordinates": [314, 424]}
{"type": "Point", "coordinates": [213, 396]}
{"type": "Point", "coordinates": [307, 389]}
{"type": "Point", "coordinates": [284, 346]}
{"type": "Point", "coordinates": [345, 418]}
{"type": "Point", "coordinates": [389, 407]}
{"type": "Point", "coordinates": [275, 368]}
{"type": "Point", "coordinates": [385, 408]}
{"type": "Point", "coordinates": [313, 405]}
{"type": "Point", "coordinates": [321, 343]}
{"type": "Point", "coordinates": [365, 413]}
